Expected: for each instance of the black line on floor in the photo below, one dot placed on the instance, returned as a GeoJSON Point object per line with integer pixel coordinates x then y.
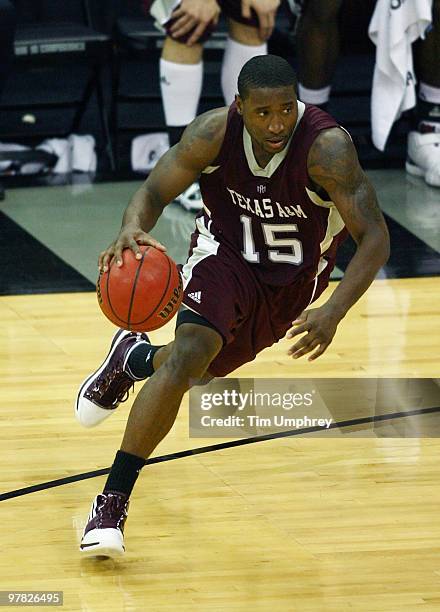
{"type": "Point", "coordinates": [215, 447]}
{"type": "Point", "coordinates": [410, 257]}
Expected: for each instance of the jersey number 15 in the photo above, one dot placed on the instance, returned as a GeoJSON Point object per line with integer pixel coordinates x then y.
{"type": "Point", "coordinates": [269, 233]}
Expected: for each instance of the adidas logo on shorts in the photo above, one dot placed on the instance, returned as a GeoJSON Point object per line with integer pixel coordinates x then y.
{"type": "Point", "coordinates": [196, 296]}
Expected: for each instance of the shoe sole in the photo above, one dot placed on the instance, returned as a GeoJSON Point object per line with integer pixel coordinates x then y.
{"type": "Point", "coordinates": [104, 547]}
{"type": "Point", "coordinates": [413, 169]}
{"type": "Point", "coordinates": [116, 338]}
{"type": "Point", "coordinates": [102, 551]}
{"type": "Point", "coordinates": [417, 171]}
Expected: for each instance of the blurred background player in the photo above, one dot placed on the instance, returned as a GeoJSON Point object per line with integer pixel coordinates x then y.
{"type": "Point", "coordinates": [318, 52]}
{"type": "Point", "coordinates": [188, 24]}
{"type": "Point", "coordinates": [7, 31]}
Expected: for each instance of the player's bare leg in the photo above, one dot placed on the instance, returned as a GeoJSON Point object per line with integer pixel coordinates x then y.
{"type": "Point", "coordinates": [318, 49]}
{"type": "Point", "coordinates": [155, 408]}
{"type": "Point", "coordinates": [179, 53]}
{"type": "Point", "coordinates": [423, 157]}
{"type": "Point", "coordinates": [181, 77]}
{"type": "Point", "coordinates": [244, 34]}
{"type": "Point", "coordinates": [427, 52]}
{"type": "Point", "coordinates": [151, 418]}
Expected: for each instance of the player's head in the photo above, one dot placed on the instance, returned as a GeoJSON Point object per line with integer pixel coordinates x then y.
{"type": "Point", "coordinates": [265, 72]}
{"type": "Point", "coordinates": [267, 101]}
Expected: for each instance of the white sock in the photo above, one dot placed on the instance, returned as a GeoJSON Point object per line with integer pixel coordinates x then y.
{"type": "Point", "coordinates": [181, 86]}
{"type": "Point", "coordinates": [314, 96]}
{"type": "Point", "coordinates": [428, 93]}
{"type": "Point", "coordinates": [234, 58]}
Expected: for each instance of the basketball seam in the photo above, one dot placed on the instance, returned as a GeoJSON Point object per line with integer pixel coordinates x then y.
{"type": "Point", "coordinates": [133, 290]}
{"type": "Point", "coordinates": [162, 296]}
{"type": "Point", "coordinates": [108, 297]}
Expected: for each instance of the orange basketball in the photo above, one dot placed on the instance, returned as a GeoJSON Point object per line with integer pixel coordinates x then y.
{"type": "Point", "coordinates": [142, 294]}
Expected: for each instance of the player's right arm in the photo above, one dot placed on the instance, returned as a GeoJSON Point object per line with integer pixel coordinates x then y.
{"type": "Point", "coordinates": [175, 171]}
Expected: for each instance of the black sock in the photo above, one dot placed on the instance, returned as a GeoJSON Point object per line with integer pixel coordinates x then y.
{"type": "Point", "coordinates": [427, 116]}
{"type": "Point", "coordinates": [140, 361]}
{"type": "Point", "coordinates": [175, 133]}
{"type": "Point", "coordinates": [124, 473]}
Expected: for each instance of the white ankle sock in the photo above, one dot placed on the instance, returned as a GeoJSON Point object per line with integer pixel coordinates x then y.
{"type": "Point", "coordinates": [314, 96]}
{"type": "Point", "coordinates": [181, 86]}
{"type": "Point", "coordinates": [234, 58]}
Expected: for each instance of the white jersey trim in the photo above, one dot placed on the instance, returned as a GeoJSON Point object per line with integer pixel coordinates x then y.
{"type": "Point", "coordinates": [185, 307]}
{"type": "Point", "coordinates": [206, 246]}
{"type": "Point", "coordinates": [334, 222]}
{"type": "Point", "coordinates": [210, 169]}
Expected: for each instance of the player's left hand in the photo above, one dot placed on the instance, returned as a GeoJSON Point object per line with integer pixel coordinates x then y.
{"type": "Point", "coordinates": [320, 326]}
{"type": "Point", "coordinates": [266, 11]}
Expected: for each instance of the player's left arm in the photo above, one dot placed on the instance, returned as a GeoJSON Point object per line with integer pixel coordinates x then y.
{"type": "Point", "coordinates": [333, 165]}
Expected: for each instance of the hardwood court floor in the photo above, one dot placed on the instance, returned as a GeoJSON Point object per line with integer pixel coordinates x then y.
{"type": "Point", "coordinates": [320, 524]}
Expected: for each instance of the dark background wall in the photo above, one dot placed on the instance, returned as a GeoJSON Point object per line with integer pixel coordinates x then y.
{"type": "Point", "coordinates": [350, 102]}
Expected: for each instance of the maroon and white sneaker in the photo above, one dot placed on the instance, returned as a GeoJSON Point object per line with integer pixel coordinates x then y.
{"type": "Point", "coordinates": [104, 533]}
{"type": "Point", "coordinates": [102, 392]}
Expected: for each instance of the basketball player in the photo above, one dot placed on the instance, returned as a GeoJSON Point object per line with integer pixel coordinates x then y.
{"type": "Point", "coordinates": [318, 51]}
{"type": "Point", "coordinates": [188, 24]}
{"type": "Point", "coordinates": [279, 180]}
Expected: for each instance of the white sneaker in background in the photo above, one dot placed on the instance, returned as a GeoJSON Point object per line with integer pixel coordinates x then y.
{"type": "Point", "coordinates": [423, 157]}
{"type": "Point", "coordinates": [191, 198]}
{"type": "Point", "coordinates": [147, 149]}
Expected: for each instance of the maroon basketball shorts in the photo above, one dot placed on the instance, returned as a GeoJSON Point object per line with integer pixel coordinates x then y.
{"type": "Point", "coordinates": [250, 316]}
{"type": "Point", "coordinates": [161, 11]}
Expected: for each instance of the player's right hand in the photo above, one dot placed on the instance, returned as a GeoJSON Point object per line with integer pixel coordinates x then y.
{"type": "Point", "coordinates": [319, 326]}
{"type": "Point", "coordinates": [194, 15]}
{"type": "Point", "coordinates": [129, 238]}
{"type": "Point", "coordinates": [266, 11]}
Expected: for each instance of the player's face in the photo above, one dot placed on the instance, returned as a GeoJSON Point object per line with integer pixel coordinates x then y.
{"type": "Point", "coordinates": [269, 115]}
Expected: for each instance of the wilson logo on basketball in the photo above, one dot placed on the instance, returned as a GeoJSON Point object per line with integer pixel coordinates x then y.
{"type": "Point", "coordinates": [173, 302]}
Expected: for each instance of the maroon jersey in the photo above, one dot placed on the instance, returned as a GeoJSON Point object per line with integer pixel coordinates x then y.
{"type": "Point", "coordinates": [271, 217]}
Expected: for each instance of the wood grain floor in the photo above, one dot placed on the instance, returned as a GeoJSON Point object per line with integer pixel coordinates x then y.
{"type": "Point", "coordinates": [292, 524]}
